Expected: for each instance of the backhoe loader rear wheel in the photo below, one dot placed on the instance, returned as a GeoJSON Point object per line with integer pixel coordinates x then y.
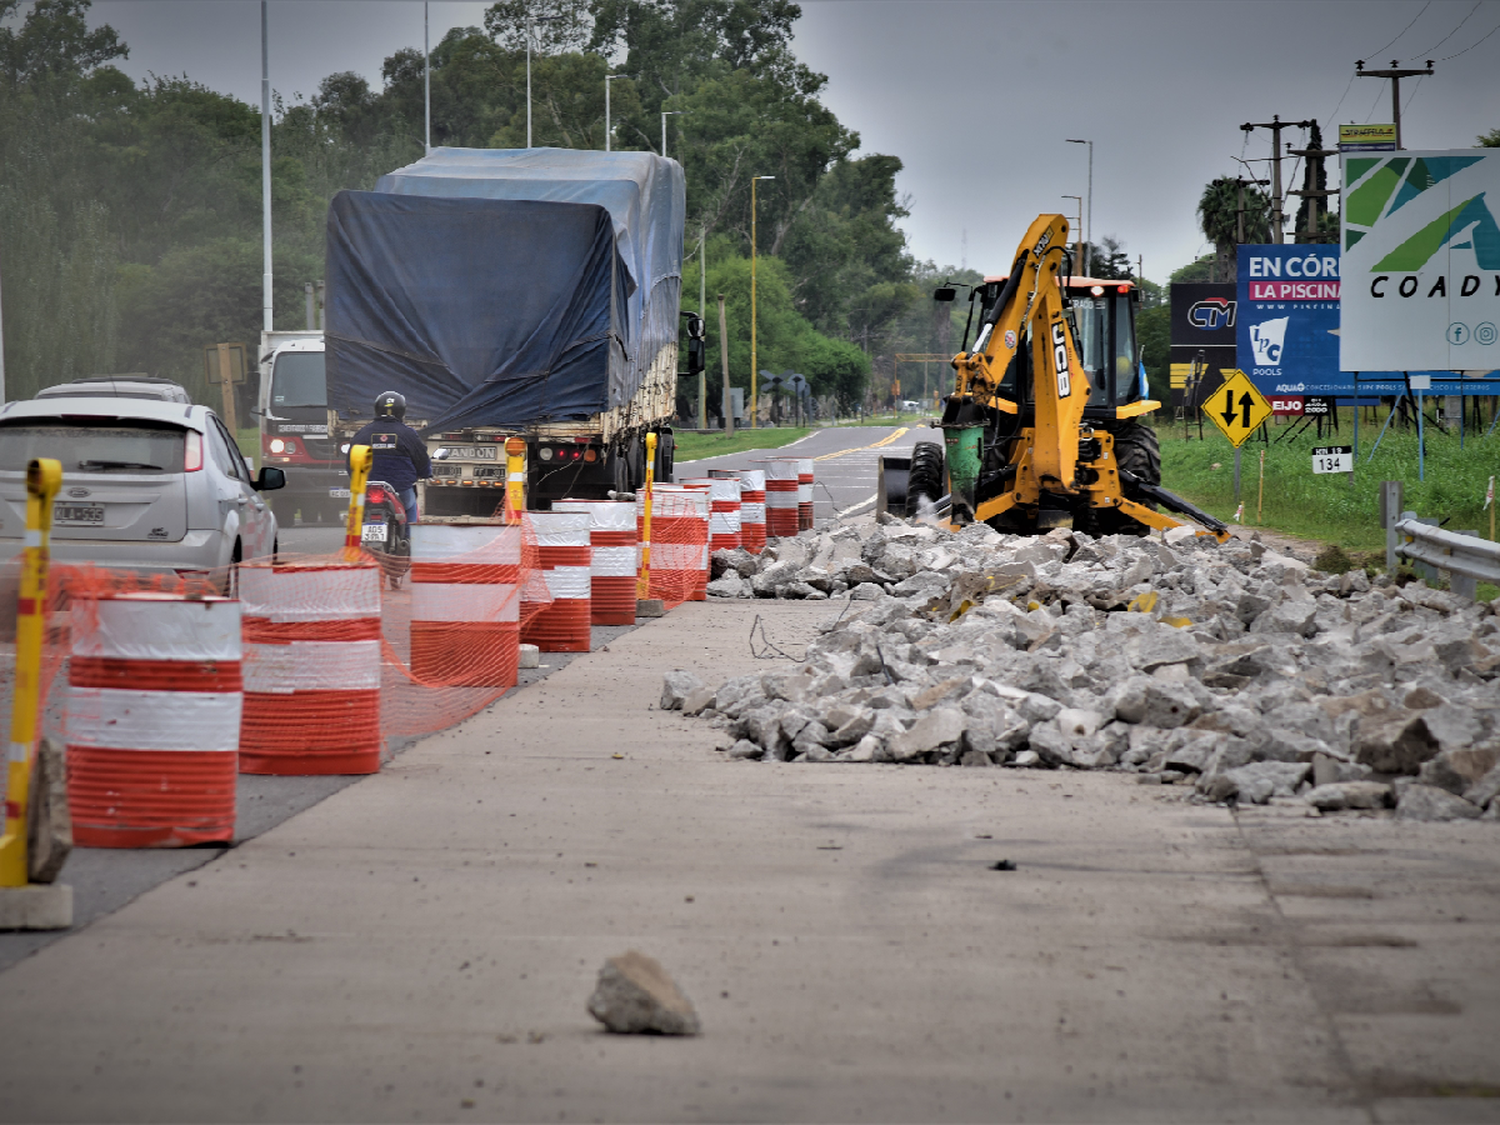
{"type": "Point", "coordinates": [926, 477]}
{"type": "Point", "coordinates": [1137, 451]}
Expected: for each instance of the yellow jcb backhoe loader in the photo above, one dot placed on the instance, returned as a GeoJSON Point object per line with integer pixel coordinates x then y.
{"type": "Point", "coordinates": [1043, 427]}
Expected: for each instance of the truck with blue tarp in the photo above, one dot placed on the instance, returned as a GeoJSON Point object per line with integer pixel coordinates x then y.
{"type": "Point", "coordinates": [528, 293]}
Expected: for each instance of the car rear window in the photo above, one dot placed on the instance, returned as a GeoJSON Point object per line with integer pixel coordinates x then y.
{"type": "Point", "coordinates": [105, 445]}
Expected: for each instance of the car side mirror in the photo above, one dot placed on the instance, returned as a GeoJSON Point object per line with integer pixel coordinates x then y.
{"type": "Point", "coordinates": [697, 355]}
{"type": "Point", "coordinates": [270, 478]}
{"type": "Point", "coordinates": [944, 293]}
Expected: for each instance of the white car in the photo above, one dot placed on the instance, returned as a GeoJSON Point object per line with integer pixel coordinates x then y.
{"type": "Point", "coordinates": [147, 485]}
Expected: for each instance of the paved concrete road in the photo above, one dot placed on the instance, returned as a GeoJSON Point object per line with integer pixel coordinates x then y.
{"type": "Point", "coordinates": [421, 944]}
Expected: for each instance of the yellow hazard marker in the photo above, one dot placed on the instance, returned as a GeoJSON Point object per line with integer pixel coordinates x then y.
{"type": "Point", "coordinates": [43, 478]}
{"type": "Point", "coordinates": [360, 459]}
{"type": "Point", "coordinates": [643, 583]}
{"type": "Point", "coordinates": [515, 479]}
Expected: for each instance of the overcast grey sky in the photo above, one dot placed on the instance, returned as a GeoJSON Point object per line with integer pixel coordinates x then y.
{"type": "Point", "coordinates": [977, 96]}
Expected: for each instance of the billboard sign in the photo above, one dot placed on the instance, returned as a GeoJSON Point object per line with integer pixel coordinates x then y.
{"type": "Point", "coordinates": [1289, 320]}
{"type": "Point", "coordinates": [1367, 138]}
{"type": "Point", "coordinates": [1203, 313]}
{"type": "Point", "coordinates": [1421, 258]}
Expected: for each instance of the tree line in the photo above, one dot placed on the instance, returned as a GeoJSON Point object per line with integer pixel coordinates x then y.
{"type": "Point", "coordinates": [130, 212]}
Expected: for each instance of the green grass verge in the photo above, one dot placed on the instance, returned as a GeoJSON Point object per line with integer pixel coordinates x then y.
{"type": "Point", "coordinates": [694, 447]}
{"type": "Point", "coordinates": [1331, 508]}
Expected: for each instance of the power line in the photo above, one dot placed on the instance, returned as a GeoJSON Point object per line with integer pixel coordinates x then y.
{"type": "Point", "coordinates": [1380, 93]}
{"type": "Point", "coordinates": [1404, 30]}
{"type": "Point", "coordinates": [1450, 35]}
{"type": "Point", "coordinates": [1472, 45]}
{"type": "Point", "coordinates": [1413, 94]}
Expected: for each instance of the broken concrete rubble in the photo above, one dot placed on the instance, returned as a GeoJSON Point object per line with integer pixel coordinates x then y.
{"type": "Point", "coordinates": [1240, 672]}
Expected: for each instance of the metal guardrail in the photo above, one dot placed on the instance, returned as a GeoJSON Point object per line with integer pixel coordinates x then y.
{"type": "Point", "coordinates": [1463, 556]}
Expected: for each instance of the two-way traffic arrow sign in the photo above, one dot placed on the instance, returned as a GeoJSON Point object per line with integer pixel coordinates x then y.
{"type": "Point", "coordinates": [1237, 407]}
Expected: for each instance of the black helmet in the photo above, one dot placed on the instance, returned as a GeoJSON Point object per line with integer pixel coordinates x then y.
{"type": "Point", "coordinates": [391, 405]}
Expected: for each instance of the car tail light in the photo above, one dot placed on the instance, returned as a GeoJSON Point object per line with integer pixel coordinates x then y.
{"type": "Point", "coordinates": [192, 452]}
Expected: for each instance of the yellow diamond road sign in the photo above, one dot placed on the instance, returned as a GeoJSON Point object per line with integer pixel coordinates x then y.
{"type": "Point", "coordinates": [1237, 407]}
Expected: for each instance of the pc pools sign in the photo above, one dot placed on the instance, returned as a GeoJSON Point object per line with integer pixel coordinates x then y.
{"type": "Point", "coordinates": [1421, 261]}
{"type": "Point", "coordinates": [1287, 327]}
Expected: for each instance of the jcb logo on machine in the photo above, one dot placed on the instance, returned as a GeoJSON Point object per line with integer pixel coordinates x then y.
{"type": "Point", "coordinates": [1060, 359]}
{"type": "Point", "coordinates": [1042, 243]}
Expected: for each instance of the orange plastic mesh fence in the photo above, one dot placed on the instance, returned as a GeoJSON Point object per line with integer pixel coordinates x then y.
{"type": "Point", "coordinates": [322, 662]}
{"type": "Point", "coordinates": [679, 543]}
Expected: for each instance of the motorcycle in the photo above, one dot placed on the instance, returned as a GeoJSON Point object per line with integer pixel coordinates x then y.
{"type": "Point", "coordinates": [386, 533]}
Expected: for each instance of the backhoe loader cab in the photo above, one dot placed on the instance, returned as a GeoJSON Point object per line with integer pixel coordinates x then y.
{"type": "Point", "coordinates": [1043, 428]}
{"type": "Point", "coordinates": [1102, 316]}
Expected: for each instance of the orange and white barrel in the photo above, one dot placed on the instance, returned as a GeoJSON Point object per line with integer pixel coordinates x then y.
{"type": "Point", "coordinates": [564, 556]}
{"type": "Point", "coordinates": [312, 668]}
{"type": "Point", "coordinates": [466, 603]}
{"type": "Point", "coordinates": [753, 510]}
{"type": "Point", "coordinates": [723, 511]}
{"type": "Point", "coordinates": [153, 720]}
{"type": "Point", "coordinates": [805, 483]}
{"type": "Point", "coordinates": [612, 570]}
{"type": "Point", "coordinates": [781, 499]}
{"type": "Point", "coordinates": [679, 541]}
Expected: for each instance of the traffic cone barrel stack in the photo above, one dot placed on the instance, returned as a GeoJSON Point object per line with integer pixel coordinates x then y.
{"type": "Point", "coordinates": [612, 569]}
{"type": "Point", "coordinates": [153, 720]}
{"type": "Point", "coordinates": [465, 603]}
{"type": "Point", "coordinates": [312, 668]}
{"type": "Point", "coordinates": [564, 557]}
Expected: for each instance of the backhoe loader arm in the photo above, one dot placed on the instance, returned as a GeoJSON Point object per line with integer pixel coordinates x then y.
{"type": "Point", "coordinates": [1033, 299]}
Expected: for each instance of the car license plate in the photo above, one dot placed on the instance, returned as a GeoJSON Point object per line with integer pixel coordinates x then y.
{"type": "Point", "coordinates": [78, 514]}
{"type": "Point", "coordinates": [373, 533]}
{"type": "Point", "coordinates": [338, 493]}
{"type": "Point", "coordinates": [471, 452]}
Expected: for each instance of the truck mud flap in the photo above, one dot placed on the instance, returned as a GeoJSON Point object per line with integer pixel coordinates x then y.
{"type": "Point", "coordinates": [1173, 503]}
{"type": "Point", "coordinates": [891, 476]}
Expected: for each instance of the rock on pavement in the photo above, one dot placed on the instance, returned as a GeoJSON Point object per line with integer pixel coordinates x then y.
{"type": "Point", "coordinates": [634, 994]}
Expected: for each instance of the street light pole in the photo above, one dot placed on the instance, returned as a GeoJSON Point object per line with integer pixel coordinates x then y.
{"type": "Point", "coordinates": [1088, 245]}
{"type": "Point", "coordinates": [666, 113]}
{"type": "Point", "coordinates": [754, 358]}
{"type": "Point", "coordinates": [530, 19]}
{"type": "Point", "coordinates": [608, 78]}
{"type": "Point", "coordinates": [426, 83]}
{"type": "Point", "coordinates": [1078, 261]}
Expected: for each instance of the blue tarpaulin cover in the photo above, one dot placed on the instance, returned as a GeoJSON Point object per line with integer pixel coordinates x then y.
{"type": "Point", "coordinates": [644, 196]}
{"type": "Point", "coordinates": [480, 311]}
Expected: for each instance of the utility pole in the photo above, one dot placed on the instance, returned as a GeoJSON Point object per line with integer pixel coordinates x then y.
{"type": "Point", "coordinates": [1395, 74]}
{"type": "Point", "coordinates": [728, 404]}
{"type": "Point", "coordinates": [1276, 125]}
{"type": "Point", "coordinates": [1239, 230]}
{"type": "Point", "coordinates": [265, 169]}
{"type": "Point", "coordinates": [1314, 195]}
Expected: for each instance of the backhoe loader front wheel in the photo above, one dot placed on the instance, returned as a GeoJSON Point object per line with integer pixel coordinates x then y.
{"type": "Point", "coordinates": [926, 477]}
{"type": "Point", "coordinates": [1137, 451]}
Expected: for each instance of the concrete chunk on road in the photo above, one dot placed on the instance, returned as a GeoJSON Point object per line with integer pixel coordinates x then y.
{"type": "Point", "coordinates": [634, 994]}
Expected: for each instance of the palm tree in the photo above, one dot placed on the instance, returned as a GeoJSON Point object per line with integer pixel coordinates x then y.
{"type": "Point", "coordinates": [1221, 219]}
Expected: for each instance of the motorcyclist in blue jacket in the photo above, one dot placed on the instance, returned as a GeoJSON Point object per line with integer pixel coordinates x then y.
{"type": "Point", "coordinates": [399, 455]}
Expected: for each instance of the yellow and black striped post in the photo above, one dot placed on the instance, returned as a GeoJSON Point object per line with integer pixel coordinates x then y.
{"type": "Point", "coordinates": [515, 479]}
{"type": "Point", "coordinates": [643, 586]}
{"type": "Point", "coordinates": [43, 477]}
{"type": "Point", "coordinates": [360, 458]}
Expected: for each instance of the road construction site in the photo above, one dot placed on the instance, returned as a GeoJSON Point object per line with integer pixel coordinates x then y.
{"type": "Point", "coordinates": [881, 941]}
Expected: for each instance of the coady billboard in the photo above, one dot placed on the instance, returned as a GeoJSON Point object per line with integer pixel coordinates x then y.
{"type": "Point", "coordinates": [1421, 261]}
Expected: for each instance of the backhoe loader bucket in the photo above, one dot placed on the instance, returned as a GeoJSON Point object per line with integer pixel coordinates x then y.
{"type": "Point", "coordinates": [891, 475]}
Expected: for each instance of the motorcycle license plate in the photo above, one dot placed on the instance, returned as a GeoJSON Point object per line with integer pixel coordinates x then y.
{"type": "Point", "coordinates": [374, 533]}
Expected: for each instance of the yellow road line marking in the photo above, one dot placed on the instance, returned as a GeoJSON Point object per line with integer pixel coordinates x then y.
{"type": "Point", "coordinates": [899, 432]}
